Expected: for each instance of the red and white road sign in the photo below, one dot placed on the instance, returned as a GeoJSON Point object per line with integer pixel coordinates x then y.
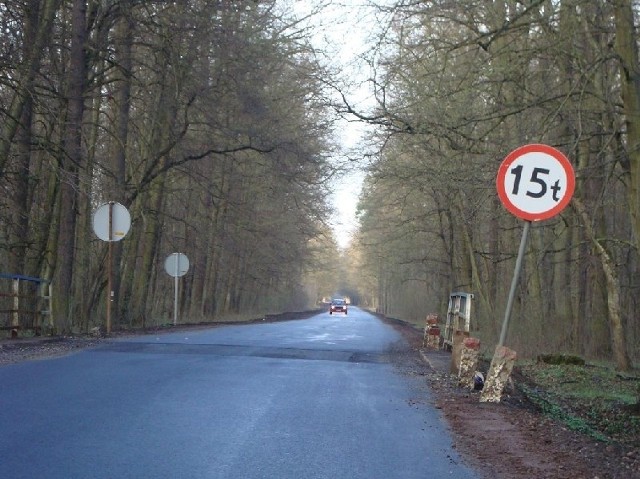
{"type": "Point", "coordinates": [535, 182]}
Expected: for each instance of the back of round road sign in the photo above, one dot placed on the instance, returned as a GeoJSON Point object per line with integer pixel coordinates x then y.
{"type": "Point", "coordinates": [112, 215]}
{"type": "Point", "coordinates": [176, 264]}
{"type": "Point", "coordinates": [535, 182]}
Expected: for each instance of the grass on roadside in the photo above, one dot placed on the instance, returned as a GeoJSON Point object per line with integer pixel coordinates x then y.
{"type": "Point", "coordinates": [590, 398]}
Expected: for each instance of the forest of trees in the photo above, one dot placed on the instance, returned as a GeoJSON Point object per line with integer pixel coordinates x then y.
{"type": "Point", "coordinates": [206, 119]}
{"type": "Point", "coordinates": [458, 86]}
{"type": "Point", "coordinates": [214, 123]}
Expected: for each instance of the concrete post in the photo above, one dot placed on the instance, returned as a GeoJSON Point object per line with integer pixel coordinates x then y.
{"type": "Point", "coordinates": [456, 350]}
{"type": "Point", "coordinates": [433, 338]}
{"type": "Point", "coordinates": [468, 362]}
{"type": "Point", "coordinates": [499, 372]}
{"type": "Point", "coordinates": [431, 329]}
{"type": "Point", "coordinates": [15, 292]}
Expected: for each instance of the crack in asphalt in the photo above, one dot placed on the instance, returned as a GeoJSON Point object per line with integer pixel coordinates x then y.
{"type": "Point", "coordinates": [245, 350]}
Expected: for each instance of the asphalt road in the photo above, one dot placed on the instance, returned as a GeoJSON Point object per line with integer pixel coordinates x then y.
{"type": "Point", "coordinates": [311, 398]}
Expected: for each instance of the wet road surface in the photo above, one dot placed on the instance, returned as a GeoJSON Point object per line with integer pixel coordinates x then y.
{"type": "Point", "coordinates": [311, 398]}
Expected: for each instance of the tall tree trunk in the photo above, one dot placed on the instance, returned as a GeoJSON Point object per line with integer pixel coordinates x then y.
{"type": "Point", "coordinates": [206, 294]}
{"type": "Point", "coordinates": [124, 42]}
{"type": "Point", "coordinates": [140, 286]}
{"type": "Point", "coordinates": [70, 164]}
{"type": "Point", "coordinates": [19, 229]}
{"type": "Point", "coordinates": [627, 49]}
{"type": "Point", "coordinates": [619, 344]}
{"type": "Point", "coordinates": [85, 278]}
{"type": "Point", "coordinates": [40, 14]}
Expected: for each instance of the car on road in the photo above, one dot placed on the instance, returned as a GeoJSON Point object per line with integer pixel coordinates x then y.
{"type": "Point", "coordinates": [338, 306]}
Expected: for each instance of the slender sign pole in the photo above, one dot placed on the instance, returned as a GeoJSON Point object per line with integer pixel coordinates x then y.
{"type": "Point", "coordinates": [175, 297]}
{"type": "Point", "coordinates": [514, 283]}
{"type": "Point", "coordinates": [109, 274]}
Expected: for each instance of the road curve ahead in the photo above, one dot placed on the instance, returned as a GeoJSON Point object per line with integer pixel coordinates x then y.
{"type": "Point", "coordinates": [310, 398]}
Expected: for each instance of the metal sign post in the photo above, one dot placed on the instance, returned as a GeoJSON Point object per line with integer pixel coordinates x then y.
{"type": "Point", "coordinates": [176, 265]}
{"type": "Point", "coordinates": [109, 267]}
{"type": "Point", "coordinates": [176, 285]}
{"type": "Point", "coordinates": [111, 222]}
{"type": "Point", "coordinates": [514, 283]}
{"type": "Point", "coordinates": [534, 183]}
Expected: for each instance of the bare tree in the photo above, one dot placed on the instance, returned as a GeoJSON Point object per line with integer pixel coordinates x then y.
{"type": "Point", "coordinates": [458, 87]}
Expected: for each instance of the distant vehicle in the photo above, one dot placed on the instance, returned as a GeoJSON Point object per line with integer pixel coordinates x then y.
{"type": "Point", "coordinates": [338, 306]}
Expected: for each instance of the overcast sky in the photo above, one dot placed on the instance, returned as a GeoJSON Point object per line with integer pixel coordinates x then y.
{"type": "Point", "coordinates": [342, 31]}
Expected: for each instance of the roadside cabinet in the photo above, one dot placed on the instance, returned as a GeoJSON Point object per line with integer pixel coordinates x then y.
{"type": "Point", "coordinates": [458, 317]}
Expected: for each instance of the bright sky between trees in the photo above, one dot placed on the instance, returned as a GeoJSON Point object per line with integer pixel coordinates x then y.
{"type": "Point", "coordinates": [341, 30]}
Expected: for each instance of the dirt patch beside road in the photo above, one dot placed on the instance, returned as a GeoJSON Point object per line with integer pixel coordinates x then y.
{"type": "Point", "coordinates": [515, 439]}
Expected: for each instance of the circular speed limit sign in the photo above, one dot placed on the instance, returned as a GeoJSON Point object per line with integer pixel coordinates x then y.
{"type": "Point", "coordinates": [535, 182]}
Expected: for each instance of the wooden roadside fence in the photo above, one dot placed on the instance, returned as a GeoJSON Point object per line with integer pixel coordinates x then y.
{"type": "Point", "coordinates": [25, 304]}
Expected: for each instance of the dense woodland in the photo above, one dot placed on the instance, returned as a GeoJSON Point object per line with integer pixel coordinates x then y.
{"type": "Point", "coordinates": [214, 124]}
{"type": "Point", "coordinates": [206, 119]}
{"type": "Point", "coordinates": [461, 84]}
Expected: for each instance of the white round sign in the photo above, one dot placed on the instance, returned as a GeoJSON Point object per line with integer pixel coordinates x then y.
{"type": "Point", "coordinates": [120, 221]}
{"type": "Point", "coordinates": [535, 182]}
{"type": "Point", "coordinates": [176, 264]}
